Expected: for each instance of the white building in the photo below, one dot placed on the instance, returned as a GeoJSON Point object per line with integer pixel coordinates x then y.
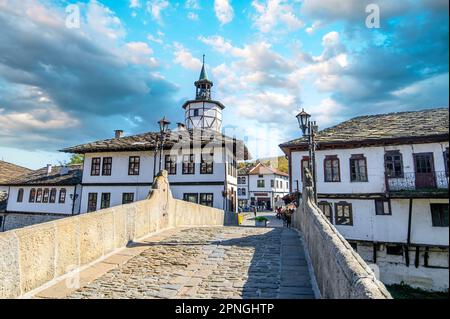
{"type": "Point", "coordinates": [383, 182]}
{"type": "Point", "coordinates": [42, 195]}
{"type": "Point", "coordinates": [7, 172]}
{"type": "Point", "coordinates": [201, 161]}
{"type": "Point", "coordinates": [261, 186]}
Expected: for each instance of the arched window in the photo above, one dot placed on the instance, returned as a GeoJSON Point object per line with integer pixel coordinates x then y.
{"type": "Point", "coordinates": [39, 195]}
{"type": "Point", "coordinates": [32, 197]}
{"type": "Point", "coordinates": [46, 195]}
{"type": "Point", "coordinates": [20, 195]}
{"type": "Point", "coordinates": [62, 196]}
{"type": "Point", "coordinates": [52, 195]}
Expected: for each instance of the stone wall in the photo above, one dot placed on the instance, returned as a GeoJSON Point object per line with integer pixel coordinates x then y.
{"type": "Point", "coordinates": [34, 255]}
{"type": "Point", "coordinates": [19, 220]}
{"type": "Point", "coordinates": [340, 272]}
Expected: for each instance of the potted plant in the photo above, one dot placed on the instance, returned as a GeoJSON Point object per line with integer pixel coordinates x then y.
{"type": "Point", "coordinates": [261, 221]}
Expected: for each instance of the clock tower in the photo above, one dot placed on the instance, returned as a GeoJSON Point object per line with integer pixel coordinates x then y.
{"type": "Point", "coordinates": [203, 112]}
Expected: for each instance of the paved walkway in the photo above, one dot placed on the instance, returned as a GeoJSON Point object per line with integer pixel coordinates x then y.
{"type": "Point", "coordinates": [215, 262]}
{"type": "Point", "coordinates": [271, 216]}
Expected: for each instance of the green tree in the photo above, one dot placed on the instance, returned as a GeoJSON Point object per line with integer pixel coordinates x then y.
{"type": "Point", "coordinates": [76, 159]}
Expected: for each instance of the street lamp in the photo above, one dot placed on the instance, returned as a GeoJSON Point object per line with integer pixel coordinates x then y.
{"type": "Point", "coordinates": [309, 129]}
{"type": "Point", "coordinates": [163, 128]}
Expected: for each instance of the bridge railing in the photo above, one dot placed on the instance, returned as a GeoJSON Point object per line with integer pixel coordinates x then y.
{"type": "Point", "coordinates": [339, 271]}
{"type": "Point", "coordinates": [32, 256]}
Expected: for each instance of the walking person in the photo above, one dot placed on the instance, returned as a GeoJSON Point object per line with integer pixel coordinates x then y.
{"type": "Point", "coordinates": [255, 210]}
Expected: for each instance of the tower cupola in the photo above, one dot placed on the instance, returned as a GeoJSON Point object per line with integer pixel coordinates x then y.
{"type": "Point", "coordinates": [203, 85]}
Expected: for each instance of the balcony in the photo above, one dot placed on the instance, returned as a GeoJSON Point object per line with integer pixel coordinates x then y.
{"type": "Point", "coordinates": [434, 182]}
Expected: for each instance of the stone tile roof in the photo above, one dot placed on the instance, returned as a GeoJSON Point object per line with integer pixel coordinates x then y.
{"type": "Point", "coordinates": [40, 177]}
{"type": "Point", "coordinates": [9, 170]}
{"type": "Point", "coordinates": [148, 141]}
{"type": "Point", "coordinates": [245, 170]}
{"type": "Point", "coordinates": [384, 128]}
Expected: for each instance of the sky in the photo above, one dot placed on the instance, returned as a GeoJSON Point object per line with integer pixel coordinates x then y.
{"type": "Point", "coordinates": [124, 64]}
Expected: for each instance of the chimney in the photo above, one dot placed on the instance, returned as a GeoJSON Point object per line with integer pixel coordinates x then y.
{"type": "Point", "coordinates": [119, 133]}
{"type": "Point", "coordinates": [49, 169]}
{"type": "Point", "coordinates": [181, 126]}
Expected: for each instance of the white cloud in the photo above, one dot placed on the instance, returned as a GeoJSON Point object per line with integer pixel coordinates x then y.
{"type": "Point", "coordinates": [156, 39]}
{"type": "Point", "coordinates": [224, 11]}
{"type": "Point", "coordinates": [185, 58]}
{"type": "Point", "coordinates": [192, 4]}
{"type": "Point", "coordinates": [102, 21]}
{"type": "Point", "coordinates": [316, 25]}
{"type": "Point", "coordinates": [273, 13]}
{"type": "Point", "coordinates": [156, 7]}
{"type": "Point", "coordinates": [135, 4]}
{"type": "Point", "coordinates": [192, 16]}
{"type": "Point", "coordinates": [49, 117]}
{"type": "Point", "coordinates": [140, 53]}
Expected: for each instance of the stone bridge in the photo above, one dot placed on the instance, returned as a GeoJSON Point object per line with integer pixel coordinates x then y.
{"type": "Point", "coordinates": [167, 248]}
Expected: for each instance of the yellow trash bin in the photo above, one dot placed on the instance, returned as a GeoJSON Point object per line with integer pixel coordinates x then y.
{"type": "Point", "coordinates": [240, 218]}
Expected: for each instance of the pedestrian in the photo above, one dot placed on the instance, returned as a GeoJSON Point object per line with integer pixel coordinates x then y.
{"type": "Point", "coordinates": [288, 218]}
{"type": "Point", "coordinates": [255, 210]}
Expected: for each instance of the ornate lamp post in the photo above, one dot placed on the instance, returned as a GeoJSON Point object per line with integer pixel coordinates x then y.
{"type": "Point", "coordinates": [309, 129]}
{"type": "Point", "coordinates": [163, 128]}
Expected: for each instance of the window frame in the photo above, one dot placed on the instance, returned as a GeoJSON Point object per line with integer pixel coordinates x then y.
{"type": "Point", "coordinates": [92, 199]}
{"type": "Point", "coordinates": [134, 165]}
{"type": "Point", "coordinates": [357, 158]}
{"type": "Point", "coordinates": [206, 167]}
{"type": "Point", "coordinates": [332, 159]}
{"type": "Point", "coordinates": [392, 161]}
{"type": "Point", "coordinates": [20, 193]}
{"type": "Point", "coordinates": [441, 215]}
{"type": "Point", "coordinates": [103, 201]}
{"type": "Point", "coordinates": [52, 197]}
{"type": "Point", "coordinates": [208, 203]}
{"type": "Point", "coordinates": [129, 201]}
{"type": "Point", "coordinates": [260, 182]}
{"type": "Point", "coordinates": [45, 196]}
{"type": "Point", "coordinates": [330, 206]}
{"type": "Point", "coordinates": [170, 164]}
{"type": "Point", "coordinates": [32, 195]}
{"type": "Point", "coordinates": [62, 196]}
{"type": "Point", "coordinates": [186, 195]}
{"type": "Point", "coordinates": [107, 166]}
{"type": "Point", "coordinates": [38, 196]}
{"type": "Point", "coordinates": [96, 166]}
{"type": "Point", "coordinates": [338, 218]}
{"type": "Point", "coordinates": [383, 201]}
{"type": "Point", "coordinates": [188, 167]}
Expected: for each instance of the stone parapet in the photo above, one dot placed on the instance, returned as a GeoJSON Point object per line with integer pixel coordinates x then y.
{"type": "Point", "coordinates": [339, 271]}
{"type": "Point", "coordinates": [32, 256]}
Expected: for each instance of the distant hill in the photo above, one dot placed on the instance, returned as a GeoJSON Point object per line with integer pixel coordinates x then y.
{"type": "Point", "coordinates": [279, 162]}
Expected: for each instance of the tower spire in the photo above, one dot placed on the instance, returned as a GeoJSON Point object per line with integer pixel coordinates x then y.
{"type": "Point", "coordinates": [203, 85]}
{"type": "Point", "coordinates": [203, 75]}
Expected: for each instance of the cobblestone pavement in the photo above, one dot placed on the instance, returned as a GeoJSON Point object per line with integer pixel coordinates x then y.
{"type": "Point", "coordinates": [216, 262]}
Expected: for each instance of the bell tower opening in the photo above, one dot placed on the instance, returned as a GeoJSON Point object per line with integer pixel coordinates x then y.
{"type": "Point", "coordinates": [203, 112]}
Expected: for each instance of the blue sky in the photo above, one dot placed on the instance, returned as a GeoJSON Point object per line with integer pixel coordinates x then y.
{"type": "Point", "coordinates": [131, 62]}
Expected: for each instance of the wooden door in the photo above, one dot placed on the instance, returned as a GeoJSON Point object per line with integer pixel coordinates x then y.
{"type": "Point", "coordinates": [424, 170]}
